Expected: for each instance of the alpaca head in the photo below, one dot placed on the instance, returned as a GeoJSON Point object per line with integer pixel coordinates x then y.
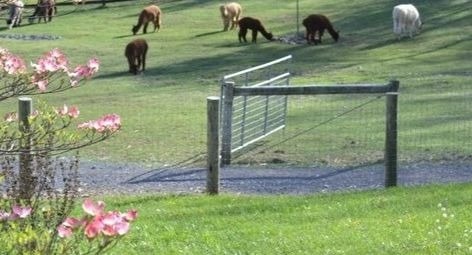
{"type": "Point", "coordinates": [336, 36]}
{"type": "Point", "coordinates": [270, 36]}
{"type": "Point", "coordinates": [135, 30]}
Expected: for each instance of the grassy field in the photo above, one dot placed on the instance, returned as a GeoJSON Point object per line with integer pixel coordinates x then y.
{"type": "Point", "coordinates": [163, 113]}
{"type": "Point", "coordinates": [420, 220]}
{"type": "Point", "coordinates": [163, 110]}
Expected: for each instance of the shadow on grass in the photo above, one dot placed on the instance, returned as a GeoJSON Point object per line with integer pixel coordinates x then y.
{"type": "Point", "coordinates": [209, 33]}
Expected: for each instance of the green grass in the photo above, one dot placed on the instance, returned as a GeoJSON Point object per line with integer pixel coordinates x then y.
{"type": "Point", "coordinates": [163, 110]}
{"type": "Point", "coordinates": [392, 221]}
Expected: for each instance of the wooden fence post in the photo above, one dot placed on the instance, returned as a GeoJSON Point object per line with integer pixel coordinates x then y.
{"type": "Point", "coordinates": [26, 182]}
{"type": "Point", "coordinates": [227, 104]}
{"type": "Point", "coordinates": [213, 145]}
{"type": "Point", "coordinates": [391, 136]}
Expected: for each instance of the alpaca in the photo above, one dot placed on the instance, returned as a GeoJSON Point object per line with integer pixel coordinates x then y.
{"type": "Point", "coordinates": [153, 14]}
{"type": "Point", "coordinates": [15, 13]}
{"type": "Point", "coordinates": [45, 9]}
{"type": "Point", "coordinates": [230, 14]}
{"type": "Point", "coordinates": [256, 26]}
{"type": "Point", "coordinates": [406, 19]}
{"type": "Point", "coordinates": [318, 23]}
{"type": "Point", "coordinates": [135, 52]}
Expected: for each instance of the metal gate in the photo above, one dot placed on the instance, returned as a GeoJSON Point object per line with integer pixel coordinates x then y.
{"type": "Point", "coordinates": [246, 120]}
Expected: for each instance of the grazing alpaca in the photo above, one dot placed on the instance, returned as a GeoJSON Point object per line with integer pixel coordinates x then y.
{"type": "Point", "coordinates": [153, 14]}
{"type": "Point", "coordinates": [406, 19]}
{"type": "Point", "coordinates": [135, 52]}
{"type": "Point", "coordinates": [15, 13]}
{"type": "Point", "coordinates": [45, 9]}
{"type": "Point", "coordinates": [230, 14]}
{"type": "Point", "coordinates": [255, 26]}
{"type": "Point", "coordinates": [318, 23]}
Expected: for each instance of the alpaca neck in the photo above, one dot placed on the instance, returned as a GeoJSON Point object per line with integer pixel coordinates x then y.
{"type": "Point", "coordinates": [140, 22]}
{"type": "Point", "coordinates": [265, 33]}
{"type": "Point", "coordinates": [332, 32]}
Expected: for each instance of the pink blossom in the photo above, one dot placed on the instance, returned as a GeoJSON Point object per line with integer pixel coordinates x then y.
{"type": "Point", "coordinates": [115, 224]}
{"type": "Point", "coordinates": [64, 231]}
{"type": "Point", "coordinates": [41, 81]}
{"type": "Point", "coordinates": [72, 223]}
{"type": "Point", "coordinates": [10, 63]}
{"type": "Point", "coordinates": [72, 111]}
{"type": "Point", "coordinates": [52, 61]}
{"type": "Point", "coordinates": [93, 208]}
{"type": "Point", "coordinates": [84, 71]}
{"type": "Point", "coordinates": [63, 110]}
{"type": "Point", "coordinates": [107, 123]}
{"type": "Point", "coordinates": [131, 215]}
{"type": "Point", "coordinates": [94, 65]}
{"type": "Point", "coordinates": [11, 117]}
{"type": "Point", "coordinates": [94, 227]}
{"type": "Point", "coordinates": [21, 212]}
{"type": "Point", "coordinates": [4, 216]}
{"type": "Point", "coordinates": [111, 218]}
{"type": "Point", "coordinates": [122, 227]}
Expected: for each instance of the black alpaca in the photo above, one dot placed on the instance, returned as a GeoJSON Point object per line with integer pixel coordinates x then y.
{"type": "Point", "coordinates": [318, 23]}
{"type": "Point", "coordinates": [255, 26]}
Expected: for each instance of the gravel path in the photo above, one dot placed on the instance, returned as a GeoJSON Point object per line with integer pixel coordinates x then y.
{"type": "Point", "coordinates": [100, 178]}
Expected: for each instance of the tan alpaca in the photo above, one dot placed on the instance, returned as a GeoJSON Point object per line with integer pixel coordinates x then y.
{"type": "Point", "coordinates": [230, 13]}
{"type": "Point", "coordinates": [153, 14]}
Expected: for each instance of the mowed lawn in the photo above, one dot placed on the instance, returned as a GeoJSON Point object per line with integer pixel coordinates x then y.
{"type": "Point", "coordinates": [164, 113]}
{"type": "Point", "coordinates": [164, 109]}
{"type": "Point", "coordinates": [420, 220]}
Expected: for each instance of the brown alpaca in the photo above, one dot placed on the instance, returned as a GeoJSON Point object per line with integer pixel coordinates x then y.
{"type": "Point", "coordinates": [45, 9]}
{"type": "Point", "coordinates": [230, 13]}
{"type": "Point", "coordinates": [255, 26]}
{"type": "Point", "coordinates": [318, 23]}
{"type": "Point", "coordinates": [153, 14]}
{"type": "Point", "coordinates": [135, 52]}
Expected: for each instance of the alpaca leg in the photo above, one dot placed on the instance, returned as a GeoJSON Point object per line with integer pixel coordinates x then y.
{"type": "Point", "coordinates": [233, 22]}
{"type": "Point", "coordinates": [144, 60]}
{"type": "Point", "coordinates": [145, 28]}
{"type": "Point", "coordinates": [242, 34]}
{"type": "Point", "coordinates": [254, 36]}
{"type": "Point", "coordinates": [139, 66]}
{"type": "Point", "coordinates": [225, 23]}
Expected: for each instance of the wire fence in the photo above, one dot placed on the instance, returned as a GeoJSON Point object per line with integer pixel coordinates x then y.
{"type": "Point", "coordinates": [349, 130]}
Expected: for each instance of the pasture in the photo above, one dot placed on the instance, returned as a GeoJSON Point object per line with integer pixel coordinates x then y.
{"type": "Point", "coordinates": [164, 121]}
{"type": "Point", "coordinates": [163, 110]}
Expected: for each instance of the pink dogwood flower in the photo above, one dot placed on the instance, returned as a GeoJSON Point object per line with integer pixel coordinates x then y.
{"type": "Point", "coordinates": [4, 216]}
{"type": "Point", "coordinates": [11, 117]}
{"type": "Point", "coordinates": [92, 208]}
{"type": "Point", "coordinates": [68, 226]}
{"type": "Point", "coordinates": [131, 215]}
{"type": "Point", "coordinates": [21, 212]}
{"type": "Point", "coordinates": [11, 64]}
{"type": "Point", "coordinates": [84, 71]}
{"type": "Point", "coordinates": [98, 222]}
{"type": "Point", "coordinates": [72, 111]}
{"type": "Point", "coordinates": [107, 123]}
{"type": "Point", "coordinates": [51, 61]}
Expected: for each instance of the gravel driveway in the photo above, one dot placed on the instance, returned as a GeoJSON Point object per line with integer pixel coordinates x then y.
{"type": "Point", "coordinates": [100, 178]}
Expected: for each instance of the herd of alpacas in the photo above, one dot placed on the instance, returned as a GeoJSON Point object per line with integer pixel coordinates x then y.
{"type": "Point", "coordinates": [45, 10]}
{"type": "Point", "coordinates": [406, 22]}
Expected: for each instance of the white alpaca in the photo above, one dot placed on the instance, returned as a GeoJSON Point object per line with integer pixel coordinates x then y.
{"type": "Point", "coordinates": [230, 13]}
{"type": "Point", "coordinates": [406, 19]}
{"type": "Point", "coordinates": [15, 13]}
